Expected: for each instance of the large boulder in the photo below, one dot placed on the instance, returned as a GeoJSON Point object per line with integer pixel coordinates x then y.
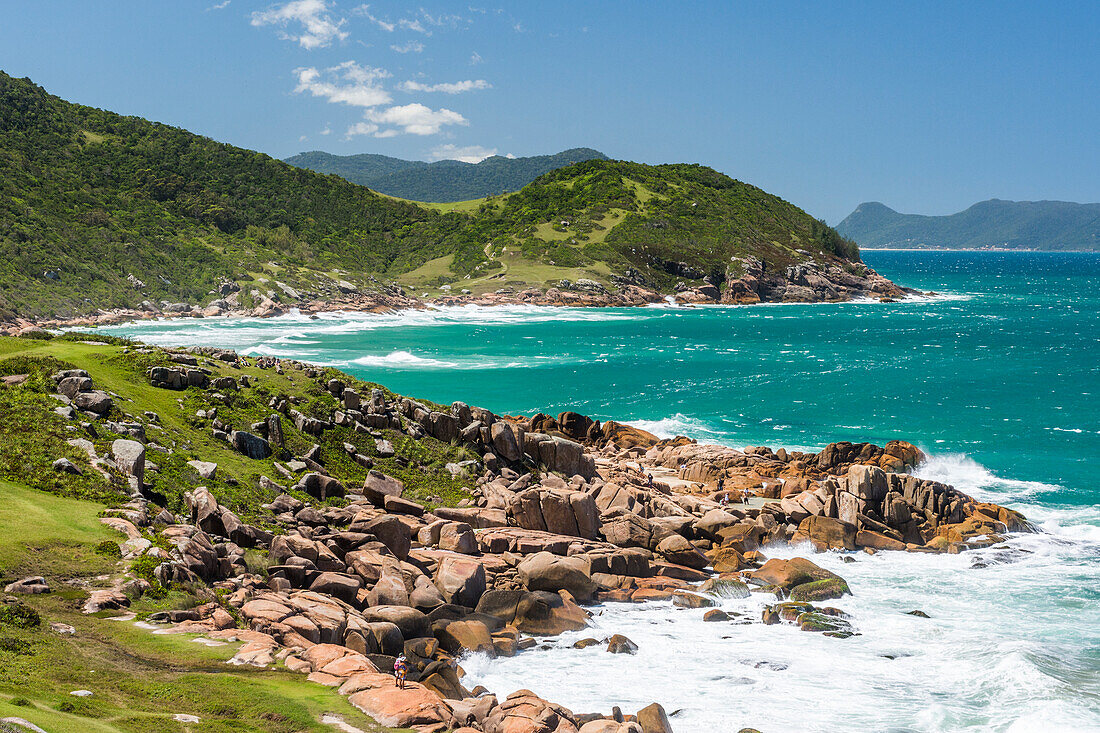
{"type": "Point", "coordinates": [457, 537]}
{"type": "Point", "coordinates": [250, 445]}
{"type": "Point", "coordinates": [338, 585]}
{"type": "Point", "coordinates": [96, 401]}
{"type": "Point", "coordinates": [412, 623]}
{"type": "Point", "coordinates": [549, 572]}
{"type": "Point", "coordinates": [130, 458]}
{"type": "Point", "coordinates": [869, 483]}
{"type": "Point", "coordinates": [679, 551]}
{"type": "Point", "coordinates": [461, 580]}
{"type": "Point", "coordinates": [320, 486]}
{"type": "Point", "coordinates": [413, 706]}
{"type": "Point", "coordinates": [393, 533]}
{"type": "Point", "coordinates": [525, 712]}
{"type": "Point", "coordinates": [653, 719]}
{"type": "Point", "coordinates": [800, 579]}
{"type": "Point", "coordinates": [377, 486]}
{"type": "Point", "coordinates": [540, 613]}
{"type": "Point", "coordinates": [465, 635]}
{"type": "Point", "coordinates": [714, 521]}
{"type": "Point", "coordinates": [826, 533]}
{"type": "Point", "coordinates": [505, 440]}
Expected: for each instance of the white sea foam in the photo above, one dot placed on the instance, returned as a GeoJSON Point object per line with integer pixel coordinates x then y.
{"type": "Point", "coordinates": [679, 425]}
{"type": "Point", "coordinates": [403, 359]}
{"type": "Point", "coordinates": [966, 474]}
{"type": "Point", "coordinates": [1005, 647]}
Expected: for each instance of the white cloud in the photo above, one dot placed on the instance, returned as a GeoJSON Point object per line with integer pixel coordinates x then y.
{"type": "Point", "coordinates": [414, 119]}
{"type": "Point", "coordinates": [327, 130]}
{"type": "Point", "coordinates": [361, 128]}
{"type": "Point", "coordinates": [413, 24]}
{"type": "Point", "coordinates": [318, 27]}
{"type": "Point", "coordinates": [467, 153]}
{"type": "Point", "coordinates": [443, 20]}
{"type": "Point", "coordinates": [303, 138]}
{"type": "Point", "coordinates": [447, 87]}
{"type": "Point", "coordinates": [410, 47]}
{"type": "Point", "coordinates": [346, 83]}
{"type": "Point", "coordinates": [364, 10]}
{"type": "Point", "coordinates": [475, 59]}
{"type": "Point", "coordinates": [219, 6]}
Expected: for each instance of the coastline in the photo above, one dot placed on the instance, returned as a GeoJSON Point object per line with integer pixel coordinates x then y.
{"type": "Point", "coordinates": [806, 283]}
{"type": "Point", "coordinates": [561, 513]}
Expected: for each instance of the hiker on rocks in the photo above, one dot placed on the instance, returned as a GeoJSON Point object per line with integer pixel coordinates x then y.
{"type": "Point", "coordinates": [649, 479]}
{"type": "Point", "coordinates": [400, 669]}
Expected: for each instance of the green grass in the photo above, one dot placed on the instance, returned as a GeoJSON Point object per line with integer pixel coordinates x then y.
{"type": "Point", "coordinates": [46, 534]}
{"type": "Point", "coordinates": [32, 436]}
{"type": "Point", "coordinates": [49, 527]}
{"type": "Point", "coordinates": [140, 680]}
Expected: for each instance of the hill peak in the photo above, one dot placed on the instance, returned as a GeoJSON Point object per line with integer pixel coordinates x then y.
{"type": "Point", "coordinates": [443, 181]}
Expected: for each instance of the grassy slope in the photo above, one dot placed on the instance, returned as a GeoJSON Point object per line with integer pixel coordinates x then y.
{"type": "Point", "coordinates": [32, 436]}
{"type": "Point", "coordinates": [139, 679]}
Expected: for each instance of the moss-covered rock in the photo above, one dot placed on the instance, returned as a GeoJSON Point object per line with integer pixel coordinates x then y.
{"type": "Point", "coordinates": [821, 590]}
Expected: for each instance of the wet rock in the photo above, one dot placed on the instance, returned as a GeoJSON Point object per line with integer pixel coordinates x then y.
{"type": "Point", "coordinates": [653, 719]}
{"type": "Point", "coordinates": [619, 644]}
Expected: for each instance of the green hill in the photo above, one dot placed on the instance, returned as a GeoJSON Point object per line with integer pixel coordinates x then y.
{"type": "Point", "coordinates": [444, 180]}
{"type": "Point", "coordinates": [101, 211]}
{"type": "Point", "coordinates": [1043, 225]}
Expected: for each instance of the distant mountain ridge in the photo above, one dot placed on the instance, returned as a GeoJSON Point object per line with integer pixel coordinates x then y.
{"type": "Point", "coordinates": [993, 224]}
{"type": "Point", "coordinates": [443, 181]}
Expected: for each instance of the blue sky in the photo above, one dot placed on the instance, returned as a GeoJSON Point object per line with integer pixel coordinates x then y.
{"type": "Point", "coordinates": [927, 107]}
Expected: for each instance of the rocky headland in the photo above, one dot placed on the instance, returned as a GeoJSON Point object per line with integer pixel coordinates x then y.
{"type": "Point", "coordinates": [556, 513]}
{"type": "Point", "coordinates": [748, 281]}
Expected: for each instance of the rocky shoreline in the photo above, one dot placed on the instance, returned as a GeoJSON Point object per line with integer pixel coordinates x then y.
{"type": "Point", "coordinates": [749, 283]}
{"type": "Point", "coordinates": [560, 513]}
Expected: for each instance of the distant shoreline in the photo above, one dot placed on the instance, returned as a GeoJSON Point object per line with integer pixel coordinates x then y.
{"type": "Point", "coordinates": [981, 249]}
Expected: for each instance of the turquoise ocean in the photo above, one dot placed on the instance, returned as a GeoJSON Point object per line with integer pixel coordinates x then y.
{"type": "Point", "coordinates": [996, 377]}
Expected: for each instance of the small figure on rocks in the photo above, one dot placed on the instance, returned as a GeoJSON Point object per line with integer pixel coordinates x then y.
{"type": "Point", "coordinates": [400, 669]}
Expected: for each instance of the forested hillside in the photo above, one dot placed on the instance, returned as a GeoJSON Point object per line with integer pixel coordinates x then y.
{"type": "Point", "coordinates": [444, 180]}
{"type": "Point", "coordinates": [89, 197]}
{"type": "Point", "coordinates": [1043, 225]}
{"type": "Point", "coordinates": [101, 211]}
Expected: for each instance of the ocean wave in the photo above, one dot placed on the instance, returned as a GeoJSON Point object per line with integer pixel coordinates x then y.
{"type": "Point", "coordinates": [679, 425]}
{"type": "Point", "coordinates": [1078, 523]}
{"type": "Point", "coordinates": [403, 359]}
{"type": "Point", "coordinates": [966, 474]}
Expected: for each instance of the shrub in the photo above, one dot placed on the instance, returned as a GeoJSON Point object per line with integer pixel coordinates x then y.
{"type": "Point", "coordinates": [108, 549]}
{"type": "Point", "coordinates": [144, 568]}
{"type": "Point", "coordinates": [20, 615]}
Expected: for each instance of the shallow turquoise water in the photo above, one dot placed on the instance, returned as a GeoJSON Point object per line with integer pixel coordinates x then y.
{"type": "Point", "coordinates": [997, 378]}
{"type": "Point", "coordinates": [1003, 368]}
